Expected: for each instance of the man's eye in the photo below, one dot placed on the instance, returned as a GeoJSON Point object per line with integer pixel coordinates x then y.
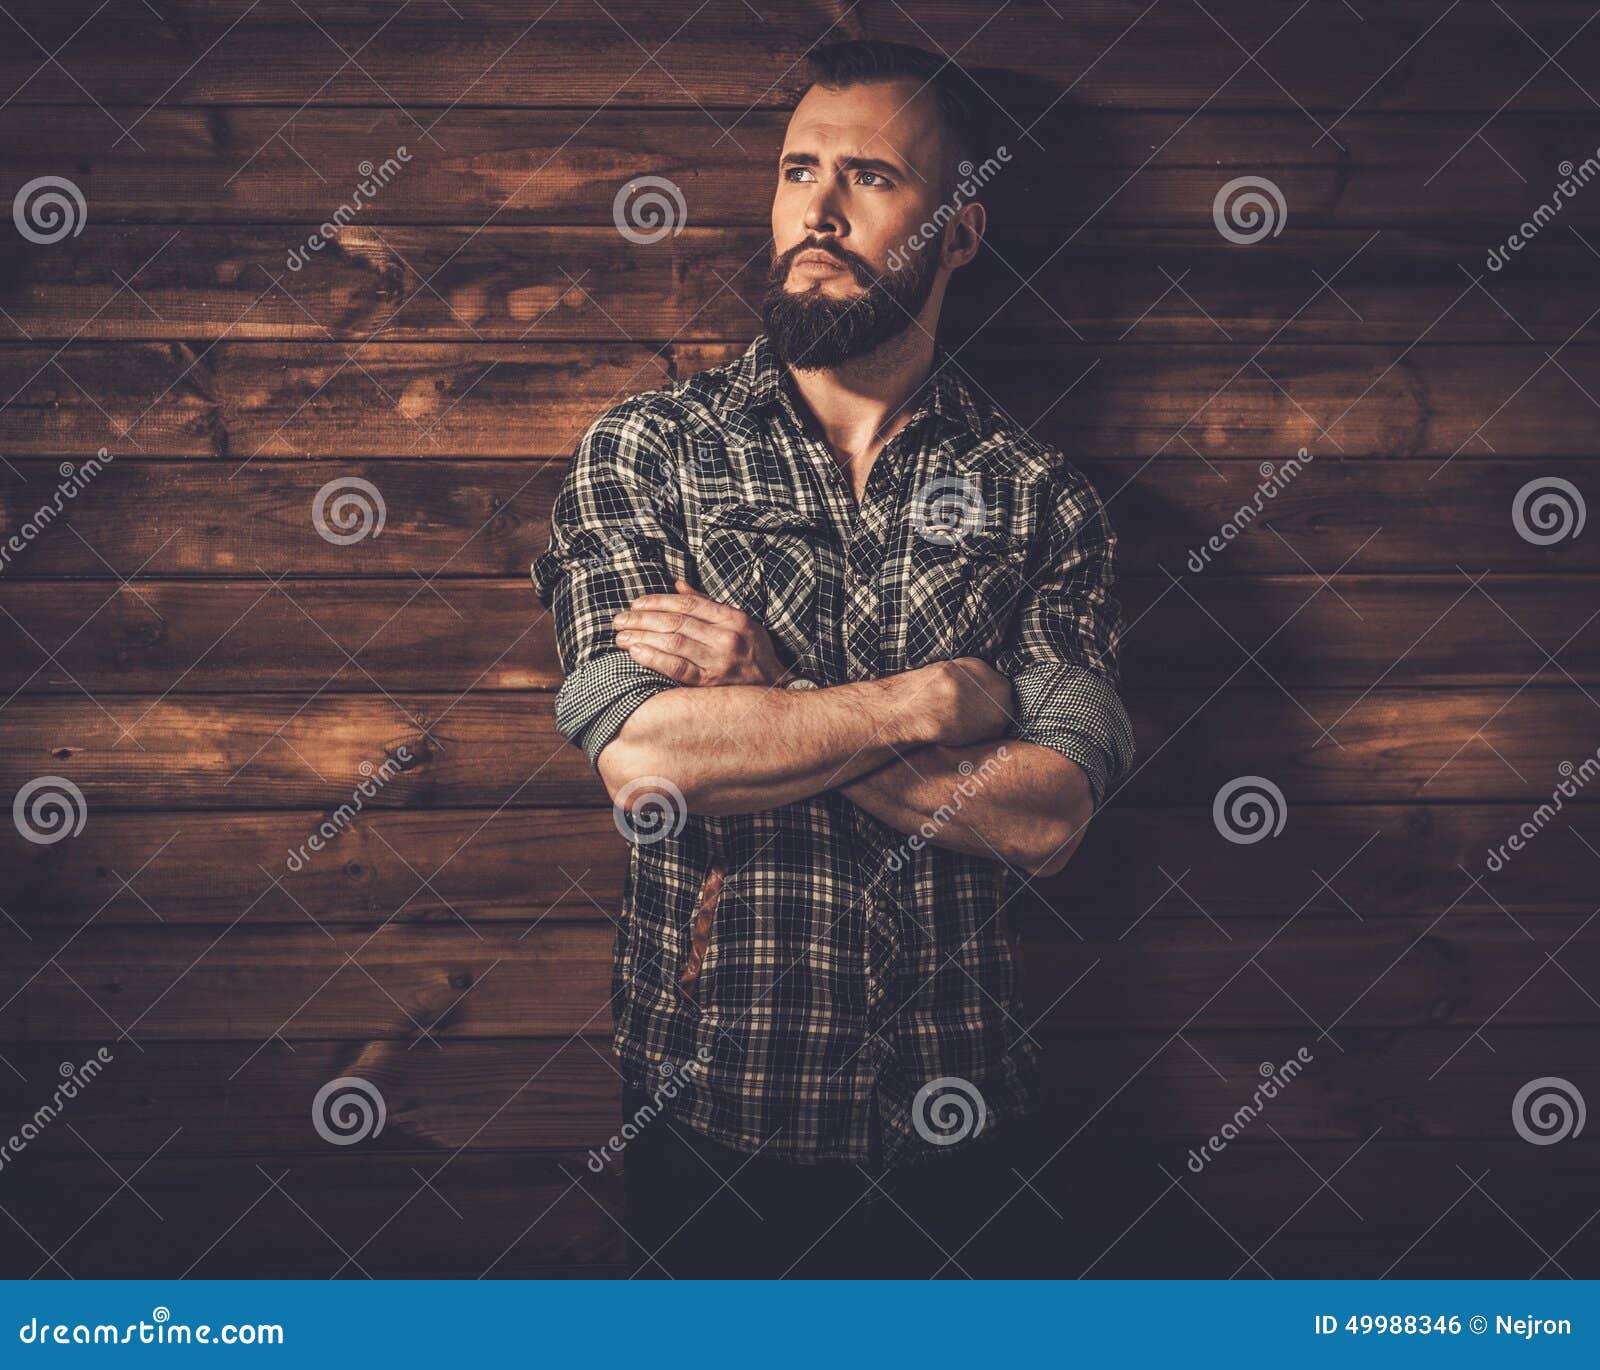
{"type": "Point", "coordinates": [877, 178]}
{"type": "Point", "coordinates": [790, 173]}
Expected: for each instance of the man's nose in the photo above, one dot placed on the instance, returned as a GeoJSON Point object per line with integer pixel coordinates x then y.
{"type": "Point", "coordinates": [824, 214]}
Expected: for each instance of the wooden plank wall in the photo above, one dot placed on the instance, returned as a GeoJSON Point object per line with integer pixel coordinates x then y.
{"type": "Point", "coordinates": [215, 676]}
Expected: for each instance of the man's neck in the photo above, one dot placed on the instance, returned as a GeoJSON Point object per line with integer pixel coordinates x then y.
{"type": "Point", "coordinates": [862, 403]}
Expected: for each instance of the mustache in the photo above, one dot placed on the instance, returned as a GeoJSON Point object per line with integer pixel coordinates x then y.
{"type": "Point", "coordinates": [858, 268]}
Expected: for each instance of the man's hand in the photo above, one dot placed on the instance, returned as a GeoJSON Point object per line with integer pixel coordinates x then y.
{"type": "Point", "coordinates": [697, 641]}
{"type": "Point", "coordinates": [970, 701]}
{"type": "Point", "coordinates": [785, 747]}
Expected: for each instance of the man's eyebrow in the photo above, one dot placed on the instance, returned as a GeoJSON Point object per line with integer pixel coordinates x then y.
{"type": "Point", "coordinates": [878, 164]}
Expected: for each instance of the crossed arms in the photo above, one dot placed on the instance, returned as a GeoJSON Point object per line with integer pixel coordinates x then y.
{"type": "Point", "coordinates": [894, 746]}
{"type": "Point", "coordinates": [683, 688]}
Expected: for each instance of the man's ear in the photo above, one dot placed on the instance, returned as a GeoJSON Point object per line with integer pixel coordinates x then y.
{"type": "Point", "coordinates": [961, 243]}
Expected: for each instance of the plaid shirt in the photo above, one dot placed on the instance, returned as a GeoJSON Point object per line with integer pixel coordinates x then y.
{"type": "Point", "coordinates": [807, 970]}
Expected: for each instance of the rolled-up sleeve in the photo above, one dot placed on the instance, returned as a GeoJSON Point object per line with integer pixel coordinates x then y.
{"type": "Point", "coordinates": [1061, 657]}
{"type": "Point", "coordinates": [616, 533]}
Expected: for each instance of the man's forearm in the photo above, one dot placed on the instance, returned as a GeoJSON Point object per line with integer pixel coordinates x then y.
{"type": "Point", "coordinates": [1024, 803]}
{"type": "Point", "coordinates": [746, 748]}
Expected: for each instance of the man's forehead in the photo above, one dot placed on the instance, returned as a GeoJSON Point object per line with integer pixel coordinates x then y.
{"type": "Point", "coordinates": [880, 119]}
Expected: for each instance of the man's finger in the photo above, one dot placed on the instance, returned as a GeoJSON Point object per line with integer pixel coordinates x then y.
{"type": "Point", "coordinates": [670, 621]}
{"type": "Point", "coordinates": [674, 667]}
{"type": "Point", "coordinates": [702, 654]}
{"type": "Point", "coordinates": [696, 606]}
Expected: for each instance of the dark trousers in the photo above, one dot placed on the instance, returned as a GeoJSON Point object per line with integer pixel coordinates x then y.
{"type": "Point", "coordinates": [696, 1209]}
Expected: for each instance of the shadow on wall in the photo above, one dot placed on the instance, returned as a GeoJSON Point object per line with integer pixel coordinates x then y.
{"type": "Point", "coordinates": [1061, 172]}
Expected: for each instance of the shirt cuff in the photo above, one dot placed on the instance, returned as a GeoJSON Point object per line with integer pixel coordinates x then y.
{"type": "Point", "coordinates": [1077, 712]}
{"type": "Point", "coordinates": [596, 699]}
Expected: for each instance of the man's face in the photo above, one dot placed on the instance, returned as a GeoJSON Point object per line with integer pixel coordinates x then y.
{"type": "Point", "coordinates": [859, 175]}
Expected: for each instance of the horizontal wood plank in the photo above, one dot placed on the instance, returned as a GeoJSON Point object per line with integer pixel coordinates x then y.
{"type": "Point", "coordinates": [1390, 1209]}
{"type": "Point", "coordinates": [1393, 1210]}
{"type": "Point", "coordinates": [443, 984]}
{"type": "Point", "coordinates": [502, 167]}
{"type": "Point", "coordinates": [448, 518]}
{"type": "Point", "coordinates": [530, 52]}
{"type": "Point", "coordinates": [407, 866]}
{"type": "Point", "coordinates": [548, 979]}
{"type": "Point", "coordinates": [488, 750]}
{"type": "Point", "coordinates": [442, 866]}
{"type": "Point", "coordinates": [542, 284]}
{"type": "Point", "coordinates": [346, 1215]}
{"type": "Point", "coordinates": [239, 401]}
{"type": "Point", "coordinates": [231, 1099]}
{"type": "Point", "coordinates": [370, 636]}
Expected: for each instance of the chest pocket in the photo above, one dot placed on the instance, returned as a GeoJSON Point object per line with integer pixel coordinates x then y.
{"type": "Point", "coordinates": [961, 597]}
{"type": "Point", "coordinates": [764, 559]}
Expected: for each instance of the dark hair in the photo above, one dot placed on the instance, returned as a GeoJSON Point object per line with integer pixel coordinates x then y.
{"type": "Point", "coordinates": [854, 63]}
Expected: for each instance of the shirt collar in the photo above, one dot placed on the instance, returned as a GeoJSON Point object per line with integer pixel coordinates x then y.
{"type": "Point", "coordinates": [759, 378]}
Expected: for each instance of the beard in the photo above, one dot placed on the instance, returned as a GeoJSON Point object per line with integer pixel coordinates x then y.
{"type": "Point", "coordinates": [813, 331]}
